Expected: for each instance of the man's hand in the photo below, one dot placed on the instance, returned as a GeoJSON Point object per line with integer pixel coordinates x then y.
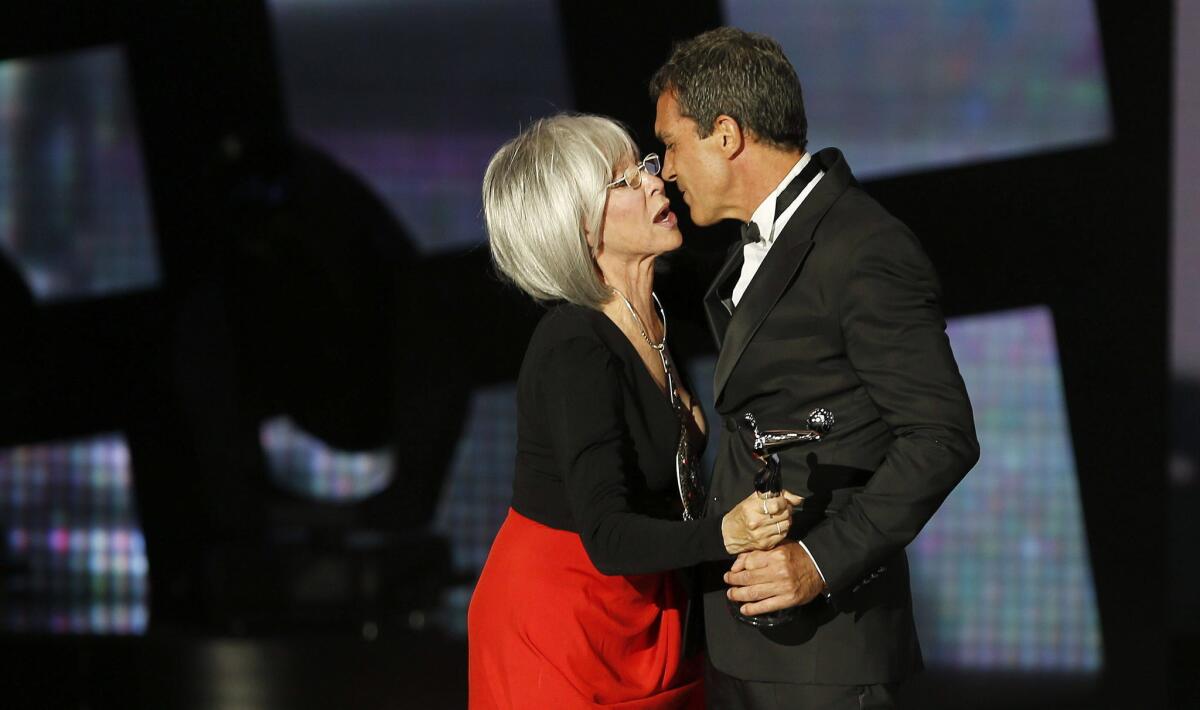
{"type": "Point", "coordinates": [772, 580]}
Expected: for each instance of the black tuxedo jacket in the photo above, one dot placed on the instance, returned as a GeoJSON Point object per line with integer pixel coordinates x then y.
{"type": "Point", "coordinates": [842, 314]}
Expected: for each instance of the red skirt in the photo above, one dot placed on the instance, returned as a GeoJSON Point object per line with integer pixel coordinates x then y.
{"type": "Point", "coordinates": [546, 629]}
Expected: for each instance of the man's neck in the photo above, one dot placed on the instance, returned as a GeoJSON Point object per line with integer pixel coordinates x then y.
{"type": "Point", "coordinates": [762, 172]}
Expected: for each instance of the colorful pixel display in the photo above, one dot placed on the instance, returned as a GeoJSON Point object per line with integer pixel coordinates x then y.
{"type": "Point", "coordinates": [302, 463]}
{"type": "Point", "coordinates": [73, 560]}
{"type": "Point", "coordinates": [74, 211]}
{"type": "Point", "coordinates": [1001, 576]}
{"type": "Point", "coordinates": [415, 96]}
{"type": "Point", "coordinates": [901, 86]}
{"type": "Point", "coordinates": [397, 92]}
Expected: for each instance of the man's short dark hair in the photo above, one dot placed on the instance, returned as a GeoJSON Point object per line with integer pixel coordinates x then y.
{"type": "Point", "coordinates": [740, 74]}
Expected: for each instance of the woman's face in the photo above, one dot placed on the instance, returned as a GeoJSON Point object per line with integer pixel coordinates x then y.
{"type": "Point", "coordinates": [638, 221]}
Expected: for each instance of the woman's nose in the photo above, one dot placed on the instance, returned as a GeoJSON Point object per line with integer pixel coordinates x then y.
{"type": "Point", "coordinates": [653, 183]}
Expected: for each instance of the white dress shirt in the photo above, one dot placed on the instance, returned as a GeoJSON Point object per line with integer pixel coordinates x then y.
{"type": "Point", "coordinates": [754, 254]}
{"type": "Point", "coordinates": [769, 228]}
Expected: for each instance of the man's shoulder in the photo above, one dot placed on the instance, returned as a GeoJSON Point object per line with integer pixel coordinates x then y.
{"type": "Point", "coordinates": [858, 221]}
{"type": "Point", "coordinates": [856, 210]}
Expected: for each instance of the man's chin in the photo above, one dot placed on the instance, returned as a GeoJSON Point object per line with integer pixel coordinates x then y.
{"type": "Point", "coordinates": [700, 218]}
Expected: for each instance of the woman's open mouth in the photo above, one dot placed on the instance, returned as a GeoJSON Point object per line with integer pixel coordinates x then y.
{"type": "Point", "coordinates": [665, 217]}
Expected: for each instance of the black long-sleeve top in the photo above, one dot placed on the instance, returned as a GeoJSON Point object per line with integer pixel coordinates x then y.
{"type": "Point", "coordinates": [596, 440]}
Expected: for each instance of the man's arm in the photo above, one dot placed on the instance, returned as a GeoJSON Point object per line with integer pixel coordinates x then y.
{"type": "Point", "coordinates": [896, 343]}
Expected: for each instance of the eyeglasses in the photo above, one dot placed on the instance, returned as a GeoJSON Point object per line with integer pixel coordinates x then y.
{"type": "Point", "coordinates": [633, 174]}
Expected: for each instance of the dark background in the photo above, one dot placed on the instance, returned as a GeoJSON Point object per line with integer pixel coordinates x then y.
{"type": "Point", "coordinates": [188, 370]}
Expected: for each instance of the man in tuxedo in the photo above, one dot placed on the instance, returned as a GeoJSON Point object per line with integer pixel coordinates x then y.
{"type": "Point", "coordinates": [828, 301]}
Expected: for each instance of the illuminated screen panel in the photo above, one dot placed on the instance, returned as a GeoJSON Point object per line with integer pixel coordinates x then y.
{"type": "Point", "coordinates": [1001, 577]}
{"type": "Point", "coordinates": [478, 492]}
{"type": "Point", "coordinates": [74, 211]}
{"type": "Point", "coordinates": [74, 559]}
{"type": "Point", "coordinates": [902, 86]}
{"type": "Point", "coordinates": [1185, 255]}
{"type": "Point", "coordinates": [479, 484]}
{"type": "Point", "coordinates": [302, 463]}
{"type": "Point", "coordinates": [1184, 496]}
{"type": "Point", "coordinates": [416, 95]}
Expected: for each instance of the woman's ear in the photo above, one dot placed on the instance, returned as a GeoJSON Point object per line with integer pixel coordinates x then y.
{"type": "Point", "coordinates": [592, 239]}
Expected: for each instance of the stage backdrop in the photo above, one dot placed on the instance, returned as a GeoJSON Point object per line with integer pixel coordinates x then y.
{"type": "Point", "coordinates": [414, 96]}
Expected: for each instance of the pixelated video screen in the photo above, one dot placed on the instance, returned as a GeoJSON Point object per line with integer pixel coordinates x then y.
{"type": "Point", "coordinates": [74, 211]}
{"type": "Point", "coordinates": [303, 464]}
{"type": "Point", "coordinates": [901, 86]}
{"type": "Point", "coordinates": [73, 558]}
{"type": "Point", "coordinates": [416, 95]}
{"type": "Point", "coordinates": [1001, 578]}
{"type": "Point", "coordinates": [1001, 575]}
{"type": "Point", "coordinates": [1184, 458]}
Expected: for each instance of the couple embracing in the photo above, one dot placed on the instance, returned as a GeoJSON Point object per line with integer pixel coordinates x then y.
{"type": "Point", "coordinates": [615, 577]}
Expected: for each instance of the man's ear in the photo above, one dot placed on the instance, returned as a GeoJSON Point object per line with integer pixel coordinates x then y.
{"type": "Point", "coordinates": [729, 133]}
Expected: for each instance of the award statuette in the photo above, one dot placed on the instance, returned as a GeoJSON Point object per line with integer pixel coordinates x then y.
{"type": "Point", "coordinates": [768, 480]}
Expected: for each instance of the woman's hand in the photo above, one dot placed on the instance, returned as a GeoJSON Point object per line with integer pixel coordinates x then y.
{"type": "Point", "coordinates": [758, 523]}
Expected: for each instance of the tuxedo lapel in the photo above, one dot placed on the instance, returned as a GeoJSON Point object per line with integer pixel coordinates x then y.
{"type": "Point", "coordinates": [714, 303]}
{"type": "Point", "coordinates": [779, 269]}
{"type": "Point", "coordinates": [772, 279]}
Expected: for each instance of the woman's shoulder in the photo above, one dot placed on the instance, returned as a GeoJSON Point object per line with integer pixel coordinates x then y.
{"type": "Point", "coordinates": [567, 322]}
{"type": "Point", "coordinates": [577, 335]}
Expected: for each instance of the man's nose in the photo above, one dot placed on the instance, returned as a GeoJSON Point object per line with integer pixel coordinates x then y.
{"type": "Point", "coordinates": [668, 168]}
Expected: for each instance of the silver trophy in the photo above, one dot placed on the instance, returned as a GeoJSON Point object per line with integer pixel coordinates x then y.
{"type": "Point", "coordinates": [768, 480]}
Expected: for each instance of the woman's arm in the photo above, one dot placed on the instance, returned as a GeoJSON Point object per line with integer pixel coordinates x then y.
{"type": "Point", "coordinates": [581, 390]}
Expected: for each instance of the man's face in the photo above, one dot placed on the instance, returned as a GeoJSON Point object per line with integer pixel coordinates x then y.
{"type": "Point", "coordinates": [697, 165]}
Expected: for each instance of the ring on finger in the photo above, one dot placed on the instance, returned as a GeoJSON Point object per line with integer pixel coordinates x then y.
{"type": "Point", "coordinates": [765, 511]}
{"type": "Point", "coordinates": [778, 531]}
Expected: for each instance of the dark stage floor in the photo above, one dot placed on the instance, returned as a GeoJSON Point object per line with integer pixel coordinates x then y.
{"type": "Point", "coordinates": [408, 671]}
{"type": "Point", "coordinates": [233, 674]}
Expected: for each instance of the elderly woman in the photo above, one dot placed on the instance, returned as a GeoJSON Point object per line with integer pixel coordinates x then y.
{"type": "Point", "coordinates": [579, 604]}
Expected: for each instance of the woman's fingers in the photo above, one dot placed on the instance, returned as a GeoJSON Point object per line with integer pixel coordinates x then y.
{"type": "Point", "coordinates": [756, 506]}
{"type": "Point", "coordinates": [777, 505]}
{"type": "Point", "coordinates": [770, 541]}
{"type": "Point", "coordinates": [748, 528]}
{"type": "Point", "coordinates": [775, 528]}
{"type": "Point", "coordinates": [763, 522]}
{"type": "Point", "coordinates": [769, 522]}
{"type": "Point", "coordinates": [778, 516]}
{"type": "Point", "coordinates": [752, 512]}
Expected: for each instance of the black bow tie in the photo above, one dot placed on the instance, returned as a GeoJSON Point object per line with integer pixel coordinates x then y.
{"type": "Point", "coordinates": [750, 233]}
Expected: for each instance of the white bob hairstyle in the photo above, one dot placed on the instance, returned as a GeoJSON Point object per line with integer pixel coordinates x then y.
{"type": "Point", "coordinates": [540, 191]}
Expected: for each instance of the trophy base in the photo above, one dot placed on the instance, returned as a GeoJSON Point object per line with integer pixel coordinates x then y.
{"type": "Point", "coordinates": [762, 621]}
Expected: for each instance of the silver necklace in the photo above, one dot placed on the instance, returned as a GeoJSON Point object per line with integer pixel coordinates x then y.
{"type": "Point", "coordinates": [662, 315]}
{"type": "Point", "coordinates": [660, 347]}
{"type": "Point", "coordinates": [691, 489]}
